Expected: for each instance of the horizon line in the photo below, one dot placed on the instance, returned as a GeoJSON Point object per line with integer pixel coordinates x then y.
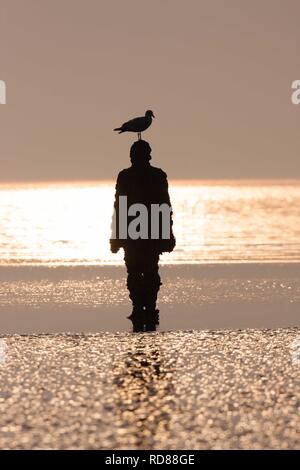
{"type": "Point", "coordinates": [178, 181]}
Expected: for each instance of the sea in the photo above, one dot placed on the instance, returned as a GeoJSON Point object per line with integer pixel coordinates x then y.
{"type": "Point", "coordinates": [54, 223]}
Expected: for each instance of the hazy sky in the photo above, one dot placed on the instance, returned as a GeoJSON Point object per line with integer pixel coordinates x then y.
{"type": "Point", "coordinates": [217, 74]}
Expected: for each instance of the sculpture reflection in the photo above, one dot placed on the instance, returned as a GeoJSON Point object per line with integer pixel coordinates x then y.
{"type": "Point", "coordinates": [143, 393]}
{"type": "Point", "coordinates": [144, 321]}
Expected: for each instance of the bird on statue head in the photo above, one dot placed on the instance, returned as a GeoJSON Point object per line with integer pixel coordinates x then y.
{"type": "Point", "coordinates": [139, 124]}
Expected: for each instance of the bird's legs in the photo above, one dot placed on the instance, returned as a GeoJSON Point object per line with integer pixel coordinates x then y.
{"type": "Point", "coordinates": [139, 136]}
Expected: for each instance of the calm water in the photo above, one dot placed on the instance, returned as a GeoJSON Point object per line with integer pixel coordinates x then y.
{"type": "Point", "coordinates": [213, 222]}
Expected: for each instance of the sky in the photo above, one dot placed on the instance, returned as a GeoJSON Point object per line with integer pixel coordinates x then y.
{"type": "Point", "coordinates": [216, 73]}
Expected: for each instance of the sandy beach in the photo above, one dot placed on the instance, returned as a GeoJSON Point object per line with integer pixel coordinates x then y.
{"type": "Point", "coordinates": [220, 372]}
{"type": "Point", "coordinates": [217, 389]}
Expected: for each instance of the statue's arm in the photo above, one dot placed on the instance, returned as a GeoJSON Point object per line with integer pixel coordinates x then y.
{"type": "Point", "coordinates": [169, 245]}
{"type": "Point", "coordinates": [115, 244]}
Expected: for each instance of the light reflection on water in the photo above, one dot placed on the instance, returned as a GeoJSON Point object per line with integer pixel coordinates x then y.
{"type": "Point", "coordinates": [213, 222]}
{"type": "Point", "coordinates": [176, 390]}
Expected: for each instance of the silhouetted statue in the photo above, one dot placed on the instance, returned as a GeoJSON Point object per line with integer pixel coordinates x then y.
{"type": "Point", "coordinates": [146, 185]}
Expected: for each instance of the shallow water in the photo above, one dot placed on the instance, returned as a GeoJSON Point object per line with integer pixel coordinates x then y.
{"type": "Point", "coordinates": [35, 299]}
{"type": "Point", "coordinates": [63, 223]}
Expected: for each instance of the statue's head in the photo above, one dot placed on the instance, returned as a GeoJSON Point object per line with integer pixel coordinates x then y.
{"type": "Point", "coordinates": [140, 152]}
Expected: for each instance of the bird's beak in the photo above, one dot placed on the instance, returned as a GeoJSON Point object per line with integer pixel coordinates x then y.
{"type": "Point", "coordinates": [153, 115]}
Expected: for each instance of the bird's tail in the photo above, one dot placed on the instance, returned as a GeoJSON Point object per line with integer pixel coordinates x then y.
{"type": "Point", "coordinates": [119, 129]}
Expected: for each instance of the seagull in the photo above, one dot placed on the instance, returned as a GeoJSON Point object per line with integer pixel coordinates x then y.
{"type": "Point", "coordinates": [138, 124]}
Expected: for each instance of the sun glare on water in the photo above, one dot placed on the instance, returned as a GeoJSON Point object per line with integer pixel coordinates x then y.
{"type": "Point", "coordinates": [70, 223]}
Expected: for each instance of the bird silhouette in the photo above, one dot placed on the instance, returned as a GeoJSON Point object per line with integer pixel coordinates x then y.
{"type": "Point", "coordinates": [139, 124]}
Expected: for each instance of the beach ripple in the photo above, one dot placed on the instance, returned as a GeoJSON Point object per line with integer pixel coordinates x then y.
{"type": "Point", "coordinates": [218, 389]}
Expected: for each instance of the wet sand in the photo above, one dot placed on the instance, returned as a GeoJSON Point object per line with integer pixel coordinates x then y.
{"type": "Point", "coordinates": [183, 389]}
{"type": "Point", "coordinates": [95, 299]}
{"type": "Point", "coordinates": [221, 372]}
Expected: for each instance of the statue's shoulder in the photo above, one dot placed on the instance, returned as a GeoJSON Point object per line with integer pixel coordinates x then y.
{"type": "Point", "coordinates": [159, 172]}
{"type": "Point", "coordinates": [124, 173]}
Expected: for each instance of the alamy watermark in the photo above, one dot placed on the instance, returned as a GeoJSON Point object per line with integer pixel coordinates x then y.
{"type": "Point", "coordinates": [296, 93]}
{"type": "Point", "coordinates": [295, 97]}
{"type": "Point", "coordinates": [2, 350]}
{"type": "Point", "coordinates": [2, 92]}
{"type": "Point", "coordinates": [295, 350]}
{"type": "Point", "coordinates": [138, 226]}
